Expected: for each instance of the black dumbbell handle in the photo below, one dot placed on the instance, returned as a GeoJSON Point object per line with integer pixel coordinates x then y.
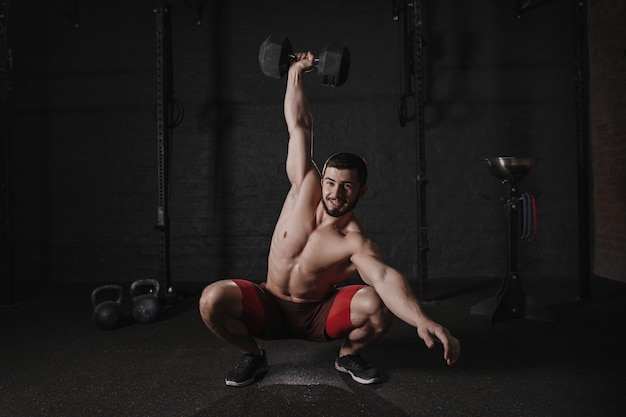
{"type": "Point", "coordinates": [293, 58]}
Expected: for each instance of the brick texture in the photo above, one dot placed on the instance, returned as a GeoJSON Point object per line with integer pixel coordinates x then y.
{"type": "Point", "coordinates": [607, 49]}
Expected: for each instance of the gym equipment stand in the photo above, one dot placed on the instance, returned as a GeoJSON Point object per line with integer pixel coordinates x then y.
{"type": "Point", "coordinates": [510, 301]}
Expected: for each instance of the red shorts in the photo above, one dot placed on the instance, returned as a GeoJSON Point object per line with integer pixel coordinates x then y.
{"type": "Point", "coordinates": [269, 317]}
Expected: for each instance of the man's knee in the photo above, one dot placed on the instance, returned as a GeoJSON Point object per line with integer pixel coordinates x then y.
{"type": "Point", "coordinates": [219, 297]}
{"type": "Point", "coordinates": [369, 306]}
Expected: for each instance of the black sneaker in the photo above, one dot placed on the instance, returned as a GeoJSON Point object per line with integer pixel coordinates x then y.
{"type": "Point", "coordinates": [361, 371]}
{"type": "Point", "coordinates": [249, 367]}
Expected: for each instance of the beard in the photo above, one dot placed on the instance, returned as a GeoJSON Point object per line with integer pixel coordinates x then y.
{"type": "Point", "coordinates": [338, 212]}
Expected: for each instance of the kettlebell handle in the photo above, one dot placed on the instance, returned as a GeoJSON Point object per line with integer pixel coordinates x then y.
{"type": "Point", "coordinates": [109, 287]}
{"type": "Point", "coordinates": [148, 282]}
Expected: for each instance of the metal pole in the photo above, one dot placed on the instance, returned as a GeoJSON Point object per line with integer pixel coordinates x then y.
{"type": "Point", "coordinates": [418, 73]}
{"type": "Point", "coordinates": [582, 132]}
{"type": "Point", "coordinates": [412, 84]}
{"type": "Point", "coordinates": [163, 85]}
{"type": "Point", "coordinates": [7, 271]}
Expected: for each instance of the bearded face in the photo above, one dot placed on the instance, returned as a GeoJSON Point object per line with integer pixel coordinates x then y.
{"type": "Point", "coordinates": [341, 191]}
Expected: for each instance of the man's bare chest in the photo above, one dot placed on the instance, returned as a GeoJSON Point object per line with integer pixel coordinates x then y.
{"type": "Point", "coordinates": [325, 250]}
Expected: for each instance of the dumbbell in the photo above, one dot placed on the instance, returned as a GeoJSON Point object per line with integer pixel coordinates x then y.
{"type": "Point", "coordinates": [276, 54]}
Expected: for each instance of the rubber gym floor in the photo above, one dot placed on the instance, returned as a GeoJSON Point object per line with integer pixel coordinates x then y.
{"type": "Point", "coordinates": [55, 362]}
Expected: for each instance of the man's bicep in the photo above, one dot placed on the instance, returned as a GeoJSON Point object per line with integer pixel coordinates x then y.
{"type": "Point", "coordinates": [299, 158]}
{"type": "Point", "coordinates": [369, 263]}
{"type": "Point", "coordinates": [303, 196]}
{"type": "Point", "coordinates": [310, 191]}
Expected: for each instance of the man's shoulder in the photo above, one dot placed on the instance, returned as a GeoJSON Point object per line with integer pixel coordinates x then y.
{"type": "Point", "coordinates": [355, 229]}
{"type": "Point", "coordinates": [359, 242]}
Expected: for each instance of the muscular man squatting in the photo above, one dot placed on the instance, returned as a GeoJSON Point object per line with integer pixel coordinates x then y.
{"type": "Point", "coordinates": [317, 243]}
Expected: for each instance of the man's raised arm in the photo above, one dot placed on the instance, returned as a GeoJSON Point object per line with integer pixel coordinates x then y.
{"type": "Point", "coordinates": [299, 121]}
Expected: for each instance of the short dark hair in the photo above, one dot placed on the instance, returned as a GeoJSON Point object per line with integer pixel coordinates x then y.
{"type": "Point", "coordinates": [346, 160]}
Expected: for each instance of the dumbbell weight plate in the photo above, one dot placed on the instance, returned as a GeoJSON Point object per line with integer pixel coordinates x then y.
{"type": "Point", "coordinates": [334, 65]}
{"type": "Point", "coordinates": [274, 56]}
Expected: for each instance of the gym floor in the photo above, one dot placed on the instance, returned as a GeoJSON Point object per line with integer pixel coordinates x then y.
{"type": "Point", "coordinates": [55, 362]}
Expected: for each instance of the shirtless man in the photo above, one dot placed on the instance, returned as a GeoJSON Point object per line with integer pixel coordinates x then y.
{"type": "Point", "coordinates": [317, 243]}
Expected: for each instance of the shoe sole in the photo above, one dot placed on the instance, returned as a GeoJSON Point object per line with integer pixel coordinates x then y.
{"type": "Point", "coordinates": [357, 378]}
{"type": "Point", "coordinates": [257, 374]}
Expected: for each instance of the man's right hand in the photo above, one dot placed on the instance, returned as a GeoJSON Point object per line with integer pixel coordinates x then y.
{"type": "Point", "coordinates": [305, 61]}
{"type": "Point", "coordinates": [431, 333]}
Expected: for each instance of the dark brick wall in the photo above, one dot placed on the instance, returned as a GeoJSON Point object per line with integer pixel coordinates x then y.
{"type": "Point", "coordinates": [83, 133]}
{"type": "Point", "coordinates": [607, 49]}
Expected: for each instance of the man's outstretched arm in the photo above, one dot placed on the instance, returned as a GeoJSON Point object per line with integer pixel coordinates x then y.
{"type": "Point", "coordinates": [299, 121]}
{"type": "Point", "coordinates": [394, 289]}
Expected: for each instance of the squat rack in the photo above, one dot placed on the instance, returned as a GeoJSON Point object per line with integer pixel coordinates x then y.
{"type": "Point", "coordinates": [166, 120]}
{"type": "Point", "coordinates": [411, 15]}
{"type": "Point", "coordinates": [163, 134]}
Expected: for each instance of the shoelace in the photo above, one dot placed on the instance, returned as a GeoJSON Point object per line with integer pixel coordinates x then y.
{"type": "Point", "coordinates": [246, 361]}
{"type": "Point", "coordinates": [357, 361]}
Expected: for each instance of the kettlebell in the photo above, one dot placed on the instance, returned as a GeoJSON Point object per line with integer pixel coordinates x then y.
{"type": "Point", "coordinates": [146, 305]}
{"type": "Point", "coordinates": [107, 306]}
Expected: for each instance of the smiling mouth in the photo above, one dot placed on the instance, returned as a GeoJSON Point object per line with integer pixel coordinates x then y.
{"type": "Point", "coordinates": [334, 202]}
{"type": "Point", "coordinates": [335, 207]}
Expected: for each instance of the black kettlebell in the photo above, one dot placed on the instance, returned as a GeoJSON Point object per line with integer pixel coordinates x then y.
{"type": "Point", "coordinates": [146, 305]}
{"type": "Point", "coordinates": [107, 306]}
